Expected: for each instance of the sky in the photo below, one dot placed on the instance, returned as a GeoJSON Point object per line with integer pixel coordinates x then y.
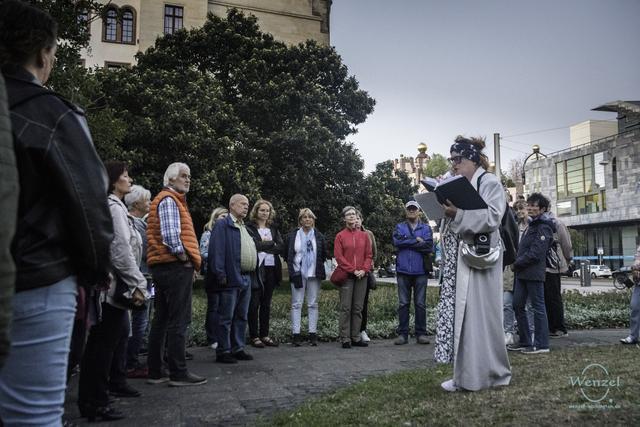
{"type": "Point", "coordinates": [442, 68]}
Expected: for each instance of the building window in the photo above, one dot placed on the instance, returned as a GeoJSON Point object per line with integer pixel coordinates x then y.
{"type": "Point", "coordinates": [110, 65]}
{"type": "Point", "coordinates": [111, 26]}
{"type": "Point", "coordinates": [120, 25]}
{"type": "Point", "coordinates": [591, 204]}
{"type": "Point", "coordinates": [564, 208]}
{"type": "Point", "coordinates": [598, 171]}
{"type": "Point", "coordinates": [128, 27]}
{"type": "Point", "coordinates": [614, 173]}
{"type": "Point", "coordinates": [173, 18]}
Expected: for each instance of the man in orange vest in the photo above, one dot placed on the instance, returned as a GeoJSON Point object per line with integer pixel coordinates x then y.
{"type": "Point", "coordinates": [173, 256]}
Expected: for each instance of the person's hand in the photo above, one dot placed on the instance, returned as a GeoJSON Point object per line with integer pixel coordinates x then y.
{"type": "Point", "coordinates": [636, 274]}
{"type": "Point", "coordinates": [419, 239]}
{"type": "Point", "coordinates": [449, 209]}
{"type": "Point", "coordinates": [183, 257]}
{"type": "Point", "coordinates": [359, 274]}
{"type": "Point", "coordinates": [137, 297]}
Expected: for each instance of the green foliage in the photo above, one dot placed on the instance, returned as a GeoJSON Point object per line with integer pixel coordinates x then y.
{"type": "Point", "coordinates": [437, 166]}
{"type": "Point", "coordinates": [597, 310]}
{"type": "Point", "coordinates": [578, 242]}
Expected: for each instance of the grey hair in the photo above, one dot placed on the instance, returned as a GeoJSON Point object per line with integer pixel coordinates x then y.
{"type": "Point", "coordinates": [138, 192]}
{"type": "Point", "coordinates": [173, 171]}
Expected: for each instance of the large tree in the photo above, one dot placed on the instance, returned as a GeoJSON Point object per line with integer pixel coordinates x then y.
{"type": "Point", "coordinates": [248, 114]}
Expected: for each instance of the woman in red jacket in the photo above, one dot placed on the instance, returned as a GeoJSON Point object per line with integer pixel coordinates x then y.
{"type": "Point", "coordinates": [352, 250]}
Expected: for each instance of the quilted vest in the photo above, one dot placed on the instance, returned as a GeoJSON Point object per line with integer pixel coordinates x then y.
{"type": "Point", "coordinates": [157, 252]}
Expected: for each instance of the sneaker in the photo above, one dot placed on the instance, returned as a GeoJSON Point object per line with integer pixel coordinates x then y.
{"type": "Point", "coordinates": [559, 334]}
{"type": "Point", "coordinates": [297, 340]}
{"type": "Point", "coordinates": [628, 341]}
{"type": "Point", "coordinates": [401, 340]}
{"type": "Point", "coordinates": [346, 344]}
{"type": "Point", "coordinates": [449, 386]}
{"type": "Point", "coordinates": [517, 347]}
{"type": "Point", "coordinates": [508, 338]}
{"type": "Point", "coordinates": [226, 358]}
{"type": "Point", "coordinates": [364, 337]}
{"type": "Point", "coordinates": [313, 339]}
{"type": "Point", "coordinates": [359, 344]}
{"type": "Point", "coordinates": [214, 346]}
{"type": "Point", "coordinates": [187, 380]}
{"type": "Point", "coordinates": [535, 350]}
{"type": "Point", "coordinates": [241, 355]}
{"type": "Point", "coordinates": [422, 339]}
{"type": "Point", "coordinates": [158, 378]}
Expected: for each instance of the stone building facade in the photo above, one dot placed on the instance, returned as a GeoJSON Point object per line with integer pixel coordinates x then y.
{"type": "Point", "coordinates": [132, 26]}
{"type": "Point", "coordinates": [594, 188]}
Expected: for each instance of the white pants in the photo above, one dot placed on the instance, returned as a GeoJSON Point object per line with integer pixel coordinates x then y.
{"type": "Point", "coordinates": [310, 286]}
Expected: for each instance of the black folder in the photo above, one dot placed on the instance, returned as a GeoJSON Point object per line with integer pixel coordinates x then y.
{"type": "Point", "coordinates": [458, 190]}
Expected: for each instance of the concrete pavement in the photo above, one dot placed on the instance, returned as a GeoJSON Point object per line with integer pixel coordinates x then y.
{"type": "Point", "coordinates": [280, 378]}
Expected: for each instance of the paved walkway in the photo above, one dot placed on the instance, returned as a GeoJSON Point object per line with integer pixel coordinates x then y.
{"type": "Point", "coordinates": [280, 378]}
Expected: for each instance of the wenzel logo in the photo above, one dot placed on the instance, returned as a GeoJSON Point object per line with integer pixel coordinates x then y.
{"type": "Point", "coordinates": [595, 383]}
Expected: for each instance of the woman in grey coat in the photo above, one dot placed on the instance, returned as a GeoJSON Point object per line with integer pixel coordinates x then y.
{"type": "Point", "coordinates": [479, 355]}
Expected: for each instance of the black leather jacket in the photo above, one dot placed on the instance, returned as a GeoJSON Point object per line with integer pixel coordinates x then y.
{"type": "Point", "coordinates": [64, 225]}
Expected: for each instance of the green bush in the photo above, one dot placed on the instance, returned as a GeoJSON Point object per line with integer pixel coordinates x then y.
{"type": "Point", "coordinates": [601, 310]}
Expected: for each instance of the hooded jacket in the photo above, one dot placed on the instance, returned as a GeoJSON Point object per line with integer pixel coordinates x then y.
{"type": "Point", "coordinates": [531, 261]}
{"type": "Point", "coordinates": [64, 224]}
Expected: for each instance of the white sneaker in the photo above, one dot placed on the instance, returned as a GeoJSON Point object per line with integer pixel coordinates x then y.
{"type": "Point", "coordinates": [449, 386]}
{"type": "Point", "coordinates": [508, 338]}
{"type": "Point", "coordinates": [364, 337]}
{"type": "Point", "coordinates": [214, 346]}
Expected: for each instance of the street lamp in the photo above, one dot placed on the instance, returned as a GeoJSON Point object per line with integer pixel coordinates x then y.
{"type": "Point", "coordinates": [421, 158]}
{"type": "Point", "coordinates": [537, 153]}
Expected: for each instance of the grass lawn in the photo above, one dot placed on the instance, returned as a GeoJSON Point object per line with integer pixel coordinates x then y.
{"type": "Point", "coordinates": [540, 393]}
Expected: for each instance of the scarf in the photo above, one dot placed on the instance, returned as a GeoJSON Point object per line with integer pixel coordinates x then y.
{"type": "Point", "coordinates": [308, 252]}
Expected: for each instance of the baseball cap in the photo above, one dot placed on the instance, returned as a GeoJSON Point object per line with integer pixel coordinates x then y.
{"type": "Point", "coordinates": [411, 203]}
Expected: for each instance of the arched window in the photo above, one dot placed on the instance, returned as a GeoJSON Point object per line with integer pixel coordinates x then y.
{"type": "Point", "coordinates": [119, 25]}
{"type": "Point", "coordinates": [111, 25]}
{"type": "Point", "coordinates": [128, 26]}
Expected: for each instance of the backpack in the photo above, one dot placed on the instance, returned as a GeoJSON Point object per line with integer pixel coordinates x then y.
{"type": "Point", "coordinates": [508, 232]}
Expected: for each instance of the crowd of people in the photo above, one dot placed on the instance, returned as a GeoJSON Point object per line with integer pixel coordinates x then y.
{"type": "Point", "coordinates": [99, 266]}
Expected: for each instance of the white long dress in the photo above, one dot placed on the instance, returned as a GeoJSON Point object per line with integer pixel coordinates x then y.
{"type": "Point", "coordinates": [480, 356]}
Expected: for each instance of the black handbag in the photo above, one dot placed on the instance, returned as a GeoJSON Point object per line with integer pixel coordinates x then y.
{"type": "Point", "coordinates": [371, 280]}
{"type": "Point", "coordinates": [296, 279]}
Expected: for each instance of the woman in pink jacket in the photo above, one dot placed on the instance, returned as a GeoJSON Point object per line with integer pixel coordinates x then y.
{"type": "Point", "coordinates": [352, 250]}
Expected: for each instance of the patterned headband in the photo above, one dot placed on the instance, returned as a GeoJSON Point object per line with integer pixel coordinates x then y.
{"type": "Point", "coordinates": [466, 150]}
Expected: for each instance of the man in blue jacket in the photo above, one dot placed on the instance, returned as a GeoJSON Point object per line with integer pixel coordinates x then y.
{"type": "Point", "coordinates": [413, 241]}
{"type": "Point", "coordinates": [530, 269]}
{"type": "Point", "coordinates": [231, 270]}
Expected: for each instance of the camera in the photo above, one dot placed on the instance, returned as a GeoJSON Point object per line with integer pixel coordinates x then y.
{"type": "Point", "coordinates": [481, 242]}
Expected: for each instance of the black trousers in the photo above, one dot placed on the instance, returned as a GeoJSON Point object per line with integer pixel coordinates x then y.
{"type": "Point", "coordinates": [95, 368]}
{"type": "Point", "coordinates": [260, 305]}
{"type": "Point", "coordinates": [365, 310]}
{"type": "Point", "coordinates": [174, 282]}
{"type": "Point", "coordinates": [553, 302]}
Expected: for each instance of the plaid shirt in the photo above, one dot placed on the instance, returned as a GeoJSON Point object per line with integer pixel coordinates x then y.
{"type": "Point", "coordinates": [170, 225]}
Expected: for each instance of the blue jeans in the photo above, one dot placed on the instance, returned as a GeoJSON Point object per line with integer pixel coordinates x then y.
{"type": "Point", "coordinates": [634, 324]}
{"type": "Point", "coordinates": [211, 321]}
{"type": "Point", "coordinates": [509, 322]}
{"type": "Point", "coordinates": [419, 286]}
{"type": "Point", "coordinates": [34, 378]}
{"type": "Point", "coordinates": [139, 324]}
{"type": "Point", "coordinates": [535, 290]}
{"type": "Point", "coordinates": [233, 305]}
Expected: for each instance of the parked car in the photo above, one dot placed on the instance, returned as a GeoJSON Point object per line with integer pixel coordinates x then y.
{"type": "Point", "coordinates": [596, 271]}
{"type": "Point", "coordinates": [388, 271]}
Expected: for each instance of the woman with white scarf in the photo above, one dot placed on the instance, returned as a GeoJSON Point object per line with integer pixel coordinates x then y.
{"type": "Point", "coordinates": [306, 253]}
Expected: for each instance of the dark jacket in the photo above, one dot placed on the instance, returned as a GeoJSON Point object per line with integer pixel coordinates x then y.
{"type": "Point", "coordinates": [223, 269]}
{"type": "Point", "coordinates": [64, 224]}
{"type": "Point", "coordinates": [9, 209]}
{"type": "Point", "coordinates": [410, 256]}
{"type": "Point", "coordinates": [531, 261]}
{"type": "Point", "coordinates": [274, 247]}
{"type": "Point", "coordinates": [321, 252]}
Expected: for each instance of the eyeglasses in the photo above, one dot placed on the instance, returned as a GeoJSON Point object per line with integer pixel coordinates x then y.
{"type": "Point", "coordinates": [455, 160]}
